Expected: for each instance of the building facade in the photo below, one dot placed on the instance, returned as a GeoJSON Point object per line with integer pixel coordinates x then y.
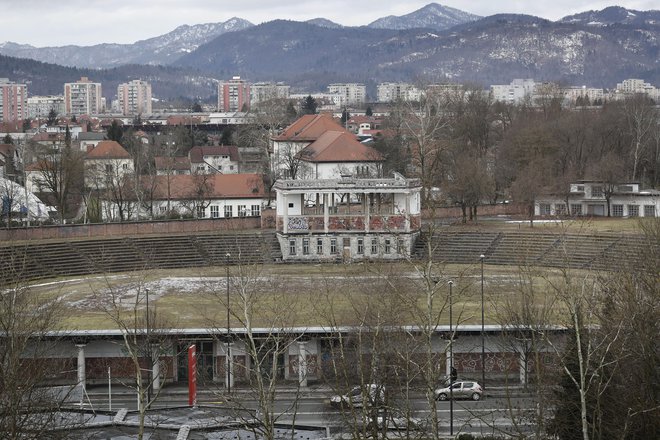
{"type": "Point", "coordinates": [348, 218]}
{"type": "Point", "coordinates": [352, 94]}
{"type": "Point", "coordinates": [134, 98]}
{"type": "Point", "coordinates": [233, 95]}
{"type": "Point", "coordinates": [392, 92]}
{"type": "Point", "coordinates": [41, 106]}
{"type": "Point", "coordinates": [590, 198]}
{"type": "Point", "coordinates": [13, 101]}
{"type": "Point", "coordinates": [264, 91]}
{"type": "Point", "coordinates": [515, 92]}
{"type": "Point", "coordinates": [82, 97]}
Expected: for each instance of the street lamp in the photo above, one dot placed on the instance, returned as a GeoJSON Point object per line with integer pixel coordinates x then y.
{"type": "Point", "coordinates": [483, 344]}
{"type": "Point", "coordinates": [227, 256]}
{"type": "Point", "coordinates": [451, 363]}
{"type": "Point", "coordinates": [148, 350]}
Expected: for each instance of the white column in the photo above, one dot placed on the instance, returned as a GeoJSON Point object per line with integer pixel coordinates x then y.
{"type": "Point", "coordinates": [285, 212]}
{"type": "Point", "coordinates": [326, 212]}
{"type": "Point", "coordinates": [229, 365]}
{"type": "Point", "coordinates": [522, 367]}
{"type": "Point", "coordinates": [448, 362]}
{"type": "Point", "coordinates": [81, 365]}
{"type": "Point", "coordinates": [302, 363]}
{"type": "Point", "coordinates": [407, 218]}
{"type": "Point", "coordinates": [367, 211]}
{"type": "Point", "coordinates": [155, 371]}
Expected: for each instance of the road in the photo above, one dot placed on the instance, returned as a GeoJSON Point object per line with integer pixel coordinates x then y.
{"type": "Point", "coordinates": [313, 408]}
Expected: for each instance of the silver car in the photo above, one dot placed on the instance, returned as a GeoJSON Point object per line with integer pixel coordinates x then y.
{"type": "Point", "coordinates": [462, 389]}
{"type": "Point", "coordinates": [374, 394]}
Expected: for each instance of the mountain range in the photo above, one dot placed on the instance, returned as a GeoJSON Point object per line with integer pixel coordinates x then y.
{"type": "Point", "coordinates": [435, 43]}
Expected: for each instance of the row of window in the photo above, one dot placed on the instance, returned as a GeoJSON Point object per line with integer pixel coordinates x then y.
{"type": "Point", "coordinates": [242, 211]}
{"type": "Point", "coordinates": [374, 246]}
{"type": "Point", "coordinates": [576, 209]}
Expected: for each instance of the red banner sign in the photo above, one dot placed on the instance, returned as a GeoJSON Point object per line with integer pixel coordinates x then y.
{"type": "Point", "coordinates": [192, 376]}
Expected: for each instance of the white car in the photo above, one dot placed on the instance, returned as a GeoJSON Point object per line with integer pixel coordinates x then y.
{"type": "Point", "coordinates": [462, 389]}
{"type": "Point", "coordinates": [374, 394]}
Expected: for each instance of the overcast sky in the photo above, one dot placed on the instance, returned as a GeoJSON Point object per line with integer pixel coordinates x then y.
{"type": "Point", "coordinates": [87, 22]}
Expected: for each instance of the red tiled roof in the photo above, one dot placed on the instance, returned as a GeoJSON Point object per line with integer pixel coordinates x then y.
{"type": "Point", "coordinates": [108, 150]}
{"type": "Point", "coordinates": [42, 165]}
{"type": "Point", "coordinates": [48, 137]}
{"type": "Point", "coordinates": [339, 146]}
{"type": "Point", "coordinates": [309, 128]}
{"type": "Point", "coordinates": [220, 186]}
{"type": "Point", "coordinates": [172, 163]}
{"type": "Point", "coordinates": [197, 154]}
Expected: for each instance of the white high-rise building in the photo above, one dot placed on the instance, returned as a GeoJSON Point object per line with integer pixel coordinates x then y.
{"type": "Point", "coordinates": [134, 98]}
{"type": "Point", "coordinates": [352, 94]}
{"type": "Point", "coordinates": [633, 86]}
{"type": "Point", "coordinates": [13, 101]}
{"type": "Point", "coordinates": [82, 97]}
{"type": "Point", "coordinates": [390, 92]}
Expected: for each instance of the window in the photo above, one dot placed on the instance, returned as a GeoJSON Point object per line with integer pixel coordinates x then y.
{"type": "Point", "coordinates": [124, 166]}
{"type": "Point", "coordinates": [290, 205]}
{"type": "Point", "coordinates": [360, 246]}
{"type": "Point", "coordinates": [400, 249]}
{"type": "Point", "coordinates": [231, 167]}
{"type": "Point", "coordinates": [242, 210]}
{"type": "Point", "coordinates": [649, 210]}
{"type": "Point", "coordinates": [215, 211]}
{"type": "Point", "coordinates": [292, 246]}
{"type": "Point", "coordinates": [374, 246]}
{"type": "Point", "coordinates": [544, 208]}
{"type": "Point", "coordinates": [255, 210]}
{"type": "Point", "coordinates": [162, 209]}
{"type": "Point", "coordinates": [319, 246]}
{"type": "Point", "coordinates": [596, 191]}
{"type": "Point", "coordinates": [108, 168]}
{"type": "Point", "coordinates": [201, 211]}
{"type": "Point", "coordinates": [305, 246]}
{"type": "Point", "coordinates": [576, 209]}
{"type": "Point", "coordinates": [580, 188]}
{"type": "Point", "coordinates": [617, 210]}
{"type": "Point", "coordinates": [388, 246]}
{"type": "Point", "coordinates": [333, 246]}
{"type": "Point", "coordinates": [560, 209]}
{"type": "Point", "coordinates": [229, 211]}
{"type": "Point", "coordinates": [633, 210]}
{"type": "Point", "coordinates": [201, 168]}
{"type": "Point", "coordinates": [625, 188]}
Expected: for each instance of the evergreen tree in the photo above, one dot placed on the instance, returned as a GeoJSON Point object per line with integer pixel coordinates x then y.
{"type": "Point", "coordinates": [8, 139]}
{"type": "Point", "coordinates": [309, 106]}
{"type": "Point", "coordinates": [345, 116]}
{"type": "Point", "coordinates": [197, 108]}
{"type": "Point", "coordinates": [52, 118]}
{"type": "Point", "coordinates": [369, 111]}
{"type": "Point", "coordinates": [115, 132]}
{"type": "Point", "coordinates": [67, 137]}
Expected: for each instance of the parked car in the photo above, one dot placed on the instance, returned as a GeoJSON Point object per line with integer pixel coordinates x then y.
{"type": "Point", "coordinates": [374, 394]}
{"type": "Point", "coordinates": [462, 389]}
{"type": "Point", "coordinates": [395, 419]}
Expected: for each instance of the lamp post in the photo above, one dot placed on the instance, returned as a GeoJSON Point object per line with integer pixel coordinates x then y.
{"type": "Point", "coordinates": [227, 256]}
{"type": "Point", "coordinates": [146, 291]}
{"type": "Point", "coordinates": [451, 364]}
{"type": "Point", "coordinates": [483, 343]}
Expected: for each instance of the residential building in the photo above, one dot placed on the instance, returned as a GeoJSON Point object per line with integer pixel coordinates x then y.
{"type": "Point", "coordinates": [107, 165]}
{"type": "Point", "coordinates": [233, 95]}
{"type": "Point", "coordinates": [264, 91]}
{"type": "Point", "coordinates": [231, 118]}
{"type": "Point", "coordinates": [348, 218]}
{"type": "Point", "coordinates": [199, 196]}
{"type": "Point", "coordinates": [326, 102]}
{"type": "Point", "coordinates": [590, 94]}
{"type": "Point", "coordinates": [169, 166]}
{"type": "Point", "coordinates": [392, 92]}
{"type": "Point", "coordinates": [13, 101]}
{"type": "Point", "coordinates": [597, 198]}
{"type": "Point", "coordinates": [90, 139]}
{"type": "Point", "coordinates": [515, 92]}
{"type": "Point", "coordinates": [352, 94]}
{"type": "Point", "coordinates": [223, 159]}
{"type": "Point", "coordinates": [636, 86]}
{"type": "Point", "coordinates": [82, 97]}
{"type": "Point", "coordinates": [134, 98]}
{"type": "Point", "coordinates": [40, 106]}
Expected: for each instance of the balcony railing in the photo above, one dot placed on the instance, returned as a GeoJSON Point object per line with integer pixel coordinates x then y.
{"type": "Point", "coordinates": [353, 223]}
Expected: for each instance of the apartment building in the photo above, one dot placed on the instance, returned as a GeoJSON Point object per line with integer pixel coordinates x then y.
{"type": "Point", "coordinates": [82, 97]}
{"type": "Point", "coordinates": [41, 106]}
{"type": "Point", "coordinates": [635, 86]}
{"type": "Point", "coordinates": [233, 95]}
{"type": "Point", "coordinates": [263, 91]}
{"type": "Point", "coordinates": [13, 101]}
{"type": "Point", "coordinates": [352, 94]}
{"type": "Point", "coordinates": [514, 92]}
{"type": "Point", "coordinates": [391, 92]}
{"type": "Point", "coordinates": [134, 98]}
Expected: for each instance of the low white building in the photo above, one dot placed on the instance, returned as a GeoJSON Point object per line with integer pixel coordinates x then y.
{"type": "Point", "coordinates": [590, 198]}
{"type": "Point", "coordinates": [222, 159]}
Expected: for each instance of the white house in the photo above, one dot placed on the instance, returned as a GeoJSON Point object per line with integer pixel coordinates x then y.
{"type": "Point", "coordinates": [196, 195]}
{"type": "Point", "coordinates": [223, 159]}
{"type": "Point", "coordinates": [590, 198]}
{"type": "Point", "coordinates": [106, 165]}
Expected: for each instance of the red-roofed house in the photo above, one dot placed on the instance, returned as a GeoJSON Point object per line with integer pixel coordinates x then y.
{"type": "Point", "coordinates": [168, 166]}
{"type": "Point", "coordinates": [223, 159]}
{"type": "Point", "coordinates": [338, 153]}
{"type": "Point", "coordinates": [106, 165]}
{"type": "Point", "coordinates": [201, 196]}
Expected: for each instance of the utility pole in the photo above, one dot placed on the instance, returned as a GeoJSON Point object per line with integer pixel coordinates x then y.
{"type": "Point", "coordinates": [451, 363]}
{"type": "Point", "coordinates": [227, 256]}
{"type": "Point", "coordinates": [483, 343]}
